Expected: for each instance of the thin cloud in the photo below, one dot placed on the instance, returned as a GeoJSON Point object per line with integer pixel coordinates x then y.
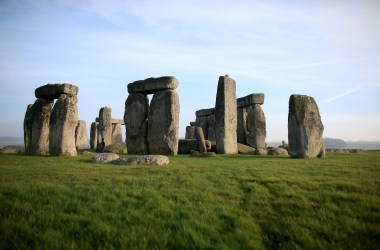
{"type": "Point", "coordinates": [343, 94]}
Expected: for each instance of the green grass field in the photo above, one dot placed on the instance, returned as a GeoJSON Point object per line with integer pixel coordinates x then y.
{"type": "Point", "coordinates": [226, 202]}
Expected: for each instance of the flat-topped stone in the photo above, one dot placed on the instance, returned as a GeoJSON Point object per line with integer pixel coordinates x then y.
{"type": "Point", "coordinates": [205, 112]}
{"type": "Point", "coordinates": [153, 85]}
{"type": "Point", "coordinates": [256, 98]}
{"type": "Point", "coordinates": [53, 91]}
{"type": "Point", "coordinates": [143, 160]}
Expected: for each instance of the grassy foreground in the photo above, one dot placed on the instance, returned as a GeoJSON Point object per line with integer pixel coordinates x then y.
{"type": "Point", "coordinates": [226, 202]}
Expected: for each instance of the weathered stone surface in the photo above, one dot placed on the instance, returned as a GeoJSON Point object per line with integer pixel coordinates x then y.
{"type": "Point", "coordinates": [242, 131]}
{"type": "Point", "coordinates": [225, 116]}
{"type": "Point", "coordinates": [163, 123]}
{"type": "Point", "coordinates": [205, 112]}
{"type": "Point", "coordinates": [136, 125]}
{"type": "Point", "coordinates": [305, 128]}
{"type": "Point", "coordinates": [40, 112]}
{"type": "Point", "coordinates": [211, 128]}
{"type": "Point", "coordinates": [187, 145]}
{"type": "Point", "coordinates": [53, 91]}
{"type": "Point", "coordinates": [12, 150]}
{"type": "Point", "coordinates": [193, 123]}
{"type": "Point", "coordinates": [201, 140]}
{"type": "Point", "coordinates": [81, 135]}
{"type": "Point", "coordinates": [244, 149]}
{"type": "Point", "coordinates": [63, 121]}
{"type": "Point", "coordinates": [153, 85]}
{"type": "Point", "coordinates": [105, 125]}
{"type": "Point", "coordinates": [143, 160]}
{"type": "Point", "coordinates": [117, 136]}
{"type": "Point", "coordinates": [28, 125]}
{"type": "Point", "coordinates": [204, 154]}
{"type": "Point", "coordinates": [257, 98]}
{"type": "Point", "coordinates": [117, 148]}
{"type": "Point", "coordinates": [105, 158]}
{"type": "Point", "coordinates": [277, 151]}
{"type": "Point", "coordinates": [94, 135]}
{"type": "Point", "coordinates": [202, 121]}
{"type": "Point", "coordinates": [190, 132]}
{"type": "Point", "coordinates": [117, 121]}
{"type": "Point", "coordinates": [256, 127]}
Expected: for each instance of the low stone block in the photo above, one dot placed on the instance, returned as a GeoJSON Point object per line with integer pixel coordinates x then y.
{"type": "Point", "coordinates": [205, 112]}
{"type": "Point", "coordinates": [257, 98]}
{"type": "Point", "coordinates": [185, 146]}
{"type": "Point", "coordinates": [244, 149]}
{"type": "Point", "coordinates": [153, 85]}
{"type": "Point", "coordinates": [53, 91]}
{"type": "Point", "coordinates": [143, 160]}
{"type": "Point", "coordinates": [104, 158]}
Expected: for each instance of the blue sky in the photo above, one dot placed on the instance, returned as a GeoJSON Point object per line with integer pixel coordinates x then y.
{"type": "Point", "coordinates": [327, 49]}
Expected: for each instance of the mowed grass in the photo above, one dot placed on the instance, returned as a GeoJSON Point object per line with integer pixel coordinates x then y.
{"type": "Point", "coordinates": [226, 202]}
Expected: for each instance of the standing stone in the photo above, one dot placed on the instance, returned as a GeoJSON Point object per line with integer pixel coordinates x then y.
{"type": "Point", "coordinates": [40, 112]}
{"type": "Point", "coordinates": [211, 128]}
{"type": "Point", "coordinates": [116, 133]}
{"type": "Point", "coordinates": [190, 132]}
{"type": "Point", "coordinates": [256, 127]}
{"type": "Point", "coordinates": [242, 131]}
{"type": "Point", "coordinates": [305, 128]}
{"type": "Point", "coordinates": [105, 125]}
{"type": "Point", "coordinates": [201, 121]}
{"type": "Point", "coordinates": [201, 140]}
{"type": "Point", "coordinates": [63, 121]}
{"type": "Point", "coordinates": [136, 125]}
{"type": "Point", "coordinates": [81, 135]}
{"type": "Point", "coordinates": [28, 125]}
{"type": "Point", "coordinates": [225, 116]}
{"type": "Point", "coordinates": [94, 135]}
{"type": "Point", "coordinates": [163, 123]}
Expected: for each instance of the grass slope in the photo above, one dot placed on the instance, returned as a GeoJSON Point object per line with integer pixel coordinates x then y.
{"type": "Point", "coordinates": [226, 202]}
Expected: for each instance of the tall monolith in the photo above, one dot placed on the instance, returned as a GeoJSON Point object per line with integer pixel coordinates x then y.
{"type": "Point", "coordinates": [28, 124]}
{"type": "Point", "coordinates": [81, 135]}
{"type": "Point", "coordinates": [305, 128]}
{"type": "Point", "coordinates": [105, 125]}
{"type": "Point", "coordinates": [256, 127]}
{"type": "Point", "coordinates": [225, 116]}
{"type": "Point", "coordinates": [94, 135]}
{"type": "Point", "coordinates": [63, 122]}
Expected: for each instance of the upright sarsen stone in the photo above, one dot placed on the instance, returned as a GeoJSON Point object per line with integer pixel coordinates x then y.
{"type": "Point", "coordinates": [225, 116]}
{"type": "Point", "coordinates": [242, 131]}
{"type": "Point", "coordinates": [81, 135]}
{"type": "Point", "coordinates": [190, 132]}
{"type": "Point", "coordinates": [256, 127]}
{"type": "Point", "coordinates": [305, 128]}
{"type": "Point", "coordinates": [94, 135]}
{"type": "Point", "coordinates": [63, 122]}
{"type": "Point", "coordinates": [28, 124]}
{"type": "Point", "coordinates": [39, 134]}
{"type": "Point", "coordinates": [116, 133]}
{"type": "Point", "coordinates": [163, 123]}
{"type": "Point", "coordinates": [136, 125]}
{"type": "Point", "coordinates": [105, 125]}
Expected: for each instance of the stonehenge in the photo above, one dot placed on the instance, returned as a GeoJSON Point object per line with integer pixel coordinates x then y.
{"type": "Point", "coordinates": [105, 128]}
{"type": "Point", "coordinates": [56, 124]}
{"type": "Point", "coordinates": [152, 128]}
{"type": "Point", "coordinates": [305, 128]}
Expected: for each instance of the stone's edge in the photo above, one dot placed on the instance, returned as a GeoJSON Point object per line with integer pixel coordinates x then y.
{"type": "Point", "coordinates": [53, 91]}
{"type": "Point", "coordinates": [152, 85]}
{"type": "Point", "coordinates": [255, 98]}
{"type": "Point", "coordinates": [205, 112]}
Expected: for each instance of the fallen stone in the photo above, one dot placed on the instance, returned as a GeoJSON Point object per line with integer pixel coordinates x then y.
{"type": "Point", "coordinates": [204, 154]}
{"type": "Point", "coordinates": [53, 91]}
{"type": "Point", "coordinates": [117, 148]}
{"type": "Point", "coordinates": [12, 150]}
{"type": "Point", "coordinates": [205, 112]}
{"type": "Point", "coordinates": [277, 151]}
{"type": "Point", "coordinates": [143, 160]}
{"type": "Point", "coordinates": [244, 149]}
{"type": "Point", "coordinates": [250, 100]}
{"type": "Point", "coordinates": [153, 85]}
{"type": "Point", "coordinates": [104, 157]}
{"type": "Point", "coordinates": [305, 128]}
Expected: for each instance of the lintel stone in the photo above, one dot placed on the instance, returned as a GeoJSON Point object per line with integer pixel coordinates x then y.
{"type": "Point", "coordinates": [153, 85]}
{"type": "Point", "coordinates": [205, 112]}
{"type": "Point", "coordinates": [256, 98]}
{"type": "Point", "coordinates": [53, 91]}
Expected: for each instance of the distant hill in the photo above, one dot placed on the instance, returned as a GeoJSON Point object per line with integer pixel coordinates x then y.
{"type": "Point", "coordinates": [334, 143]}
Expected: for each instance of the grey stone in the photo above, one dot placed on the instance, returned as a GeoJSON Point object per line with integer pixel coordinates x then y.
{"type": "Point", "coordinates": [105, 125]}
{"type": "Point", "coordinates": [225, 116]}
{"type": "Point", "coordinates": [117, 148]}
{"type": "Point", "coordinates": [201, 140]}
{"type": "Point", "coordinates": [117, 136]}
{"type": "Point", "coordinates": [242, 131]}
{"type": "Point", "coordinates": [190, 132]}
{"type": "Point", "coordinates": [117, 121]}
{"type": "Point", "coordinates": [211, 128]}
{"type": "Point", "coordinates": [193, 123]}
{"type": "Point", "coordinates": [205, 112]}
{"type": "Point", "coordinates": [136, 125]}
{"type": "Point", "coordinates": [204, 154]}
{"type": "Point", "coordinates": [256, 127]}
{"type": "Point", "coordinates": [63, 121]}
{"type": "Point", "coordinates": [40, 112]}
{"type": "Point", "coordinates": [244, 149]}
{"type": "Point", "coordinates": [163, 123]}
{"type": "Point", "coordinates": [53, 91]}
{"type": "Point", "coordinates": [81, 135]}
{"type": "Point", "coordinates": [187, 145]}
{"type": "Point", "coordinates": [94, 135]}
{"type": "Point", "coordinates": [153, 85]}
{"type": "Point", "coordinates": [28, 125]}
{"type": "Point", "coordinates": [104, 157]}
{"type": "Point", "coordinates": [12, 150]}
{"type": "Point", "coordinates": [143, 160]}
{"type": "Point", "coordinates": [202, 121]}
{"type": "Point", "coordinates": [305, 128]}
{"type": "Point", "coordinates": [277, 151]}
{"type": "Point", "coordinates": [256, 98]}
